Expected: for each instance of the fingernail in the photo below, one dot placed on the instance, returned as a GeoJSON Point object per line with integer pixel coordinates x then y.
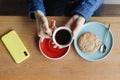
{"type": "Point", "coordinates": [55, 46]}
{"type": "Point", "coordinates": [42, 39]}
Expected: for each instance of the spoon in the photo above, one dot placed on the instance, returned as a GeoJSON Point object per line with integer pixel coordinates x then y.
{"type": "Point", "coordinates": [103, 46]}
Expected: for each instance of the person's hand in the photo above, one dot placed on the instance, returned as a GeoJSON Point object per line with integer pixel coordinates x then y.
{"type": "Point", "coordinates": [42, 25]}
{"type": "Point", "coordinates": [75, 23]}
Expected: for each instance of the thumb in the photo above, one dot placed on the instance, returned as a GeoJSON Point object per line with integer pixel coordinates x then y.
{"type": "Point", "coordinates": [53, 24]}
{"type": "Point", "coordinates": [69, 23]}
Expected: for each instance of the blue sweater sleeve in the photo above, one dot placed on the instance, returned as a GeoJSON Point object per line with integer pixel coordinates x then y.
{"type": "Point", "coordinates": [87, 7]}
{"type": "Point", "coordinates": [34, 5]}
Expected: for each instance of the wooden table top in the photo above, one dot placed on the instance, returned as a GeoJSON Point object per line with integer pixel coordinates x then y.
{"type": "Point", "coordinates": [71, 67]}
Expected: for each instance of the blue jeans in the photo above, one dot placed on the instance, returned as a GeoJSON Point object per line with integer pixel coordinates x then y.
{"type": "Point", "coordinates": [64, 8]}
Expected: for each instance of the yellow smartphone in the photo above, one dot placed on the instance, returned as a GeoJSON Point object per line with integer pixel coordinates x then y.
{"type": "Point", "coordinates": [15, 46]}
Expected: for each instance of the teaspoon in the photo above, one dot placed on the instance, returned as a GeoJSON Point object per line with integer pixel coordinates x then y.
{"type": "Point", "coordinates": [103, 46]}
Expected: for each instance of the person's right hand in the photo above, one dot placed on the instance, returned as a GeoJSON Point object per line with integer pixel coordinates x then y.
{"type": "Point", "coordinates": [42, 25]}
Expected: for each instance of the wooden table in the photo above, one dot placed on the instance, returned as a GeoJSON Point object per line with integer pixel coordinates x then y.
{"type": "Point", "coordinates": [71, 67]}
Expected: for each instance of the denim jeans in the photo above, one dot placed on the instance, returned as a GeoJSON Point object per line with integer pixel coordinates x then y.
{"type": "Point", "coordinates": [64, 8]}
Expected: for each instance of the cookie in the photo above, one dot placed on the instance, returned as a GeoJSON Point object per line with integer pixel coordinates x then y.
{"type": "Point", "coordinates": [89, 42]}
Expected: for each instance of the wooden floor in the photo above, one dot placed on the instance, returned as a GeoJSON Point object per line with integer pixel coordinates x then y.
{"type": "Point", "coordinates": [19, 7]}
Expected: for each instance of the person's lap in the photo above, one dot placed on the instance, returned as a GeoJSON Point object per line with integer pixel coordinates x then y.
{"type": "Point", "coordinates": [63, 8]}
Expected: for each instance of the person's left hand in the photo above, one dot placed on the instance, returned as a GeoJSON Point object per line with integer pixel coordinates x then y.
{"type": "Point", "coordinates": [75, 23]}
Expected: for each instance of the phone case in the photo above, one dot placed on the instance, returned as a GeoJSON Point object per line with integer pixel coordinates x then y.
{"type": "Point", "coordinates": [15, 46]}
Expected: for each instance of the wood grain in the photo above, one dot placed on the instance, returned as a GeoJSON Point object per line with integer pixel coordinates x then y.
{"type": "Point", "coordinates": [71, 67]}
{"type": "Point", "coordinates": [111, 10]}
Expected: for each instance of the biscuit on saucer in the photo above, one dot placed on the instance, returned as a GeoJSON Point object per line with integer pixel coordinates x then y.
{"type": "Point", "coordinates": [89, 42]}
